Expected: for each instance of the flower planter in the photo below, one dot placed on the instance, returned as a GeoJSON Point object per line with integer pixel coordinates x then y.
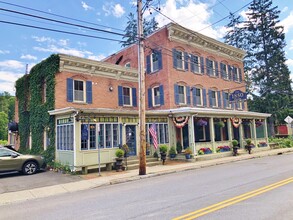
{"type": "Point", "coordinates": [163, 157]}
{"type": "Point", "coordinates": [187, 156]}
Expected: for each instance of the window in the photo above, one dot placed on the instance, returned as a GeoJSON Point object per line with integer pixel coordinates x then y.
{"type": "Point", "coordinates": [213, 98]}
{"type": "Point", "coordinates": [127, 96]}
{"type": "Point", "coordinates": [224, 71]}
{"type": "Point", "coordinates": [236, 75]}
{"type": "Point", "coordinates": [154, 61]}
{"type": "Point", "coordinates": [156, 96]}
{"type": "Point", "coordinates": [198, 94]}
{"type": "Point", "coordinates": [201, 132]}
{"type": "Point", "coordinates": [212, 67]}
{"type": "Point", "coordinates": [78, 90]}
{"type": "Point", "coordinates": [239, 104]}
{"type": "Point", "coordinates": [227, 103]}
{"type": "Point", "coordinates": [108, 136]}
{"type": "Point", "coordinates": [195, 64]}
{"type": "Point", "coordinates": [64, 137]}
{"type": "Point", "coordinates": [221, 132]}
{"type": "Point", "coordinates": [179, 59]}
{"type": "Point", "coordinates": [127, 65]}
{"type": "Point", "coordinates": [181, 92]}
{"type": "Point", "coordinates": [162, 133]}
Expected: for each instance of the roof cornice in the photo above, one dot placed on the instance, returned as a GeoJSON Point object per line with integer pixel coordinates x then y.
{"type": "Point", "coordinates": [93, 67]}
{"type": "Point", "coordinates": [186, 36]}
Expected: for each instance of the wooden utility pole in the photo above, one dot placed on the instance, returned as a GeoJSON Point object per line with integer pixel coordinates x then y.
{"type": "Point", "coordinates": [141, 76]}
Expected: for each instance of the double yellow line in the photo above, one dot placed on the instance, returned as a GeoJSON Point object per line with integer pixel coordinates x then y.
{"type": "Point", "coordinates": [228, 202]}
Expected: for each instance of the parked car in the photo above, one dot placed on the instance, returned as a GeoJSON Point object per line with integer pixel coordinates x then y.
{"type": "Point", "coordinates": [11, 160]}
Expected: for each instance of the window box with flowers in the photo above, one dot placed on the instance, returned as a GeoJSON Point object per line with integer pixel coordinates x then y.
{"type": "Point", "coordinates": [204, 150]}
{"type": "Point", "coordinates": [223, 149]}
{"type": "Point", "coordinates": [262, 144]}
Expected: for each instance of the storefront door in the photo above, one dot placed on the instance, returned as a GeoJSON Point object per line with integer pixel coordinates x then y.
{"type": "Point", "coordinates": [131, 139]}
{"type": "Point", "coordinates": [185, 136]}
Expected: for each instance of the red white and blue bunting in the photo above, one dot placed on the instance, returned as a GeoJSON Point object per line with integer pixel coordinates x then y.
{"type": "Point", "coordinates": [180, 121]}
{"type": "Point", "coordinates": [236, 122]}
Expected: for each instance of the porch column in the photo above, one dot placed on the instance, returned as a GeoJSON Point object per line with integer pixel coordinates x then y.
{"type": "Point", "coordinates": [254, 132]}
{"type": "Point", "coordinates": [191, 134]}
{"type": "Point", "coordinates": [266, 130]}
{"type": "Point", "coordinates": [229, 124]}
{"type": "Point", "coordinates": [241, 136]}
{"type": "Point", "coordinates": [212, 133]}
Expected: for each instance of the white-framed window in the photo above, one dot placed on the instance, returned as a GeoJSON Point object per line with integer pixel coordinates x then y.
{"type": "Point", "coordinates": [199, 98]}
{"type": "Point", "coordinates": [127, 65]}
{"type": "Point", "coordinates": [195, 64]}
{"type": "Point", "coordinates": [213, 98]}
{"type": "Point", "coordinates": [79, 91]}
{"type": "Point", "coordinates": [127, 96]}
{"type": "Point", "coordinates": [154, 61]}
{"type": "Point", "coordinates": [156, 96]}
{"type": "Point", "coordinates": [224, 71]}
{"type": "Point", "coordinates": [64, 137]}
{"type": "Point", "coordinates": [182, 94]}
{"type": "Point", "coordinates": [211, 67]}
{"type": "Point", "coordinates": [227, 103]}
{"type": "Point", "coordinates": [236, 75]}
{"type": "Point", "coordinates": [162, 133]}
{"type": "Point", "coordinates": [179, 59]}
{"type": "Point", "coordinates": [239, 104]}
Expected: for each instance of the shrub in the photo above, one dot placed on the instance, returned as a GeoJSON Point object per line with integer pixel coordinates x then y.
{"type": "Point", "coordinates": [172, 150]}
{"type": "Point", "coordinates": [163, 149]}
{"type": "Point", "coordinates": [188, 150]}
{"type": "Point", "coordinates": [119, 153]}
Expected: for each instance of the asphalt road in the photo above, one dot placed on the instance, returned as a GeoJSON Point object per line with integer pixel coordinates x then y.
{"type": "Point", "coordinates": [174, 195]}
{"type": "Point", "coordinates": [15, 181]}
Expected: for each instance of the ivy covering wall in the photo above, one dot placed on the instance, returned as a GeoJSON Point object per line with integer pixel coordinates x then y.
{"type": "Point", "coordinates": [33, 108]}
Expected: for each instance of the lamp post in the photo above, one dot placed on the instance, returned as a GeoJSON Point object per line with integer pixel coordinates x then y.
{"type": "Point", "coordinates": [141, 76]}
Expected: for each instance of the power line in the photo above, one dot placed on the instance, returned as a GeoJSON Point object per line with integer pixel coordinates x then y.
{"type": "Point", "coordinates": [61, 16]}
{"type": "Point", "coordinates": [62, 22]}
{"type": "Point", "coordinates": [59, 31]}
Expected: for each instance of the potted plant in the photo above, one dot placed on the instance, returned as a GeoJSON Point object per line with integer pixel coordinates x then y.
{"type": "Point", "coordinates": [172, 152]}
{"type": "Point", "coordinates": [235, 147]}
{"type": "Point", "coordinates": [163, 152]}
{"type": "Point", "coordinates": [119, 158]}
{"type": "Point", "coordinates": [156, 155]}
{"type": "Point", "coordinates": [148, 148]}
{"type": "Point", "coordinates": [188, 153]}
{"type": "Point", "coordinates": [125, 148]}
{"type": "Point", "coordinates": [178, 147]}
{"type": "Point", "coordinates": [248, 145]}
{"type": "Point", "coordinates": [220, 124]}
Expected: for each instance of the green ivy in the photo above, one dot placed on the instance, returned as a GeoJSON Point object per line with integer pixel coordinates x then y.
{"type": "Point", "coordinates": [33, 111]}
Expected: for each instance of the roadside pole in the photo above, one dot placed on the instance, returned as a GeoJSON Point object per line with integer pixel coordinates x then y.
{"type": "Point", "coordinates": [141, 76]}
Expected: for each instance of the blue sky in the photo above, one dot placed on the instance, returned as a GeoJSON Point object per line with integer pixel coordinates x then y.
{"type": "Point", "coordinates": [23, 46]}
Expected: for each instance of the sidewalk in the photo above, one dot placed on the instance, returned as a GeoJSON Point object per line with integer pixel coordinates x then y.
{"type": "Point", "coordinates": [107, 178]}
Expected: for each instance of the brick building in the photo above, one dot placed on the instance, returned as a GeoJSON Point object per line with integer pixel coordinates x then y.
{"type": "Point", "coordinates": [189, 79]}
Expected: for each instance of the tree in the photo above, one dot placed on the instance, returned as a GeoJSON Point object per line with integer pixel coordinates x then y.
{"type": "Point", "coordinates": [149, 26]}
{"type": "Point", "coordinates": [3, 126]}
{"type": "Point", "coordinates": [7, 104]}
{"type": "Point", "coordinates": [264, 64]}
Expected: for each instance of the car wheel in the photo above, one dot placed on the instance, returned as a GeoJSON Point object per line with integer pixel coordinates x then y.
{"type": "Point", "coordinates": [30, 168]}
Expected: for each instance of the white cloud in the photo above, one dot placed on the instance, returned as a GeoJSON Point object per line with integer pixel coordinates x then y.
{"type": "Point", "coordinates": [4, 51]}
{"type": "Point", "coordinates": [10, 78]}
{"type": "Point", "coordinates": [287, 22]}
{"type": "Point", "coordinates": [63, 42]}
{"type": "Point", "coordinates": [291, 45]}
{"type": "Point", "coordinates": [11, 64]}
{"type": "Point", "coordinates": [69, 51]}
{"type": "Point", "coordinates": [289, 62]}
{"type": "Point", "coordinates": [98, 58]}
{"type": "Point", "coordinates": [192, 15]}
{"type": "Point", "coordinates": [28, 57]}
{"type": "Point", "coordinates": [86, 7]}
{"type": "Point", "coordinates": [113, 9]}
{"type": "Point", "coordinates": [43, 39]}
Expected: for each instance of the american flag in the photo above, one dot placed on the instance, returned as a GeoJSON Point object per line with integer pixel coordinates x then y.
{"type": "Point", "coordinates": [153, 132]}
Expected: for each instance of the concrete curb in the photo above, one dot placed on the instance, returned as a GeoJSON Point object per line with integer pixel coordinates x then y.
{"type": "Point", "coordinates": [19, 196]}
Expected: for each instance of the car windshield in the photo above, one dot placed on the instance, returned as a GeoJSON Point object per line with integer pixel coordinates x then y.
{"type": "Point", "coordinates": [7, 153]}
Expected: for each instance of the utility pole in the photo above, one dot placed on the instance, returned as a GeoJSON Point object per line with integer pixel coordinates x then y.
{"type": "Point", "coordinates": [141, 76]}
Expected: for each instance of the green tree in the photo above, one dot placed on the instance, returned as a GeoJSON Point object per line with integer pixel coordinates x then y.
{"type": "Point", "coordinates": [264, 64]}
{"type": "Point", "coordinates": [3, 126]}
{"type": "Point", "coordinates": [130, 37]}
{"type": "Point", "coordinates": [7, 104]}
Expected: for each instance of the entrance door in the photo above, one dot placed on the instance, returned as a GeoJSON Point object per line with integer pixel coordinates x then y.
{"type": "Point", "coordinates": [185, 136]}
{"type": "Point", "coordinates": [236, 135]}
{"type": "Point", "coordinates": [131, 139]}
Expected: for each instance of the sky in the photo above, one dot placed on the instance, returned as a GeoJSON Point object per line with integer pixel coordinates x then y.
{"type": "Point", "coordinates": [24, 43]}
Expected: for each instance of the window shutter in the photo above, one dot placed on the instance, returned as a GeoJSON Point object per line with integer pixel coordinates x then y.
{"type": "Point", "coordinates": [160, 60]}
{"type": "Point", "coordinates": [69, 90]}
{"type": "Point", "coordinates": [217, 69]}
{"type": "Point", "coordinates": [229, 72]}
{"type": "Point", "coordinates": [204, 97]}
{"type": "Point", "coordinates": [243, 107]}
{"type": "Point", "coordinates": [161, 94]}
{"type": "Point", "coordinates": [176, 94]}
{"type": "Point", "coordinates": [89, 92]}
{"type": "Point", "coordinates": [150, 98]}
{"type": "Point", "coordinates": [207, 67]}
{"type": "Point", "coordinates": [188, 95]}
{"type": "Point", "coordinates": [234, 70]}
{"type": "Point", "coordinates": [219, 100]}
{"type": "Point", "coordinates": [221, 70]}
{"type": "Point", "coordinates": [134, 101]}
{"type": "Point", "coordinates": [174, 52]}
{"type": "Point", "coordinates": [202, 65]}
{"type": "Point", "coordinates": [148, 64]}
{"type": "Point", "coordinates": [120, 96]}
{"type": "Point", "coordinates": [240, 75]}
{"type": "Point", "coordinates": [210, 98]}
{"type": "Point", "coordinates": [194, 96]}
{"type": "Point", "coordinates": [186, 57]}
{"type": "Point", "coordinates": [192, 63]}
{"type": "Point", "coordinates": [224, 99]}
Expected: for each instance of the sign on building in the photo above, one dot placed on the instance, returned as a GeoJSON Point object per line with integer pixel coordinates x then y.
{"type": "Point", "coordinates": [237, 95]}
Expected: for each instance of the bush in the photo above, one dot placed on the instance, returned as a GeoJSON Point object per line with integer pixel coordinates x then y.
{"type": "Point", "coordinates": [172, 150]}
{"type": "Point", "coordinates": [178, 147]}
{"type": "Point", "coordinates": [234, 143]}
{"type": "Point", "coordinates": [188, 150]}
{"type": "Point", "coordinates": [119, 153]}
{"type": "Point", "coordinates": [163, 149]}
{"type": "Point", "coordinates": [3, 142]}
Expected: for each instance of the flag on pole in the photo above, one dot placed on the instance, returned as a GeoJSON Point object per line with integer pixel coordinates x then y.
{"type": "Point", "coordinates": [153, 132]}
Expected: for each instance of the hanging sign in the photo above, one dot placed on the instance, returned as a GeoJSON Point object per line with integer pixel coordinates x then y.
{"type": "Point", "coordinates": [237, 95]}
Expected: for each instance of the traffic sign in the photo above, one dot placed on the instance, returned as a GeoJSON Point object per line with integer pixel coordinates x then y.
{"type": "Point", "coordinates": [288, 119]}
